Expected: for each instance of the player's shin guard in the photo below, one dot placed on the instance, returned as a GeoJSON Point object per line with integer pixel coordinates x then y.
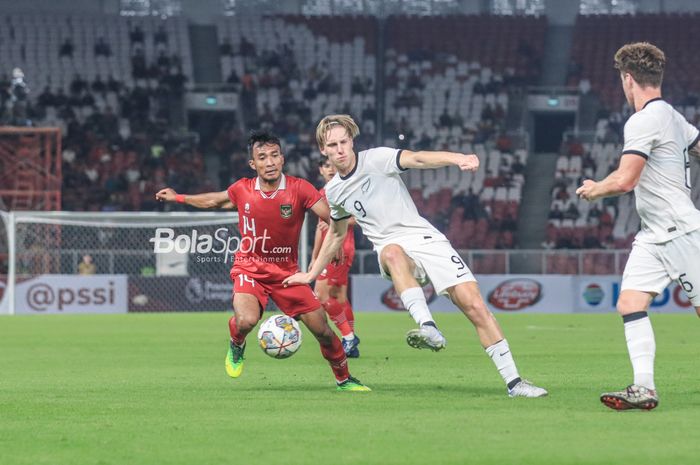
{"type": "Point", "coordinates": [336, 312]}
{"type": "Point", "coordinates": [642, 347]}
{"type": "Point", "coordinates": [349, 315]}
{"type": "Point", "coordinates": [335, 355]}
{"type": "Point", "coordinates": [236, 336]}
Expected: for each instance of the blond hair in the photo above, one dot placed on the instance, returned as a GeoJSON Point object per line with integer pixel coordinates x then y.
{"type": "Point", "coordinates": [327, 123]}
{"type": "Point", "coordinates": [644, 61]}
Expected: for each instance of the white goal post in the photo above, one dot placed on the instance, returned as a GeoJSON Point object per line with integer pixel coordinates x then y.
{"type": "Point", "coordinates": [104, 262]}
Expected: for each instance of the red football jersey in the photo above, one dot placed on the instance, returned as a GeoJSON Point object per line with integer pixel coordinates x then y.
{"type": "Point", "coordinates": [349, 243]}
{"type": "Point", "coordinates": [270, 225]}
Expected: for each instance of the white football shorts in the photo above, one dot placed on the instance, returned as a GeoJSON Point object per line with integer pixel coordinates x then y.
{"type": "Point", "coordinates": [652, 267]}
{"type": "Point", "coordinates": [436, 261]}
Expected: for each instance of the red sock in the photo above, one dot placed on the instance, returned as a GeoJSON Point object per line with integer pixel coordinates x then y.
{"type": "Point", "coordinates": [236, 336]}
{"type": "Point", "coordinates": [335, 355]}
{"type": "Point", "coordinates": [336, 311]}
{"type": "Point", "coordinates": [349, 315]}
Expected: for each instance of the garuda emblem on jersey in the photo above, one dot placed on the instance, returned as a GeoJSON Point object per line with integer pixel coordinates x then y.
{"type": "Point", "coordinates": [286, 210]}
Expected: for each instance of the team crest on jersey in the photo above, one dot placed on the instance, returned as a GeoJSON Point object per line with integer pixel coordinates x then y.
{"type": "Point", "coordinates": [247, 207]}
{"type": "Point", "coordinates": [365, 186]}
{"type": "Point", "coordinates": [286, 210]}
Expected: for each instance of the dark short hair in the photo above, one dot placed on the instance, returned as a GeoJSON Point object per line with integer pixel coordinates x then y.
{"type": "Point", "coordinates": [262, 138]}
{"type": "Point", "coordinates": [322, 161]}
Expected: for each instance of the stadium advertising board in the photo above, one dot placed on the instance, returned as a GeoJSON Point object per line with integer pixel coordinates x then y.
{"type": "Point", "coordinates": [523, 293]}
{"type": "Point", "coordinates": [505, 293]}
{"type": "Point", "coordinates": [599, 294]}
{"type": "Point", "coordinates": [71, 294]}
{"type": "Point", "coordinates": [180, 293]}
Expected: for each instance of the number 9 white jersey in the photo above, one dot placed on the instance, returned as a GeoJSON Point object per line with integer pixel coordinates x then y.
{"type": "Point", "coordinates": [663, 137]}
{"type": "Point", "coordinates": [374, 193]}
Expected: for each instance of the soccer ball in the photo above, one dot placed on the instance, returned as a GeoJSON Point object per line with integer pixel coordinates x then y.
{"type": "Point", "coordinates": [279, 336]}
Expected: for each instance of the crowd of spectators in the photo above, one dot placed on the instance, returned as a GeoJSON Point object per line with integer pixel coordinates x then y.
{"type": "Point", "coordinates": [442, 103]}
{"type": "Point", "coordinates": [118, 145]}
{"type": "Point", "coordinates": [573, 223]}
{"type": "Point", "coordinates": [612, 222]}
{"type": "Point", "coordinates": [287, 80]}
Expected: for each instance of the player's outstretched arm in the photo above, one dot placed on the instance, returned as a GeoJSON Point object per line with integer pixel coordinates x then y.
{"type": "Point", "coordinates": [207, 200]}
{"type": "Point", "coordinates": [331, 245]}
{"type": "Point", "coordinates": [619, 182]}
{"type": "Point", "coordinates": [318, 239]}
{"type": "Point", "coordinates": [428, 159]}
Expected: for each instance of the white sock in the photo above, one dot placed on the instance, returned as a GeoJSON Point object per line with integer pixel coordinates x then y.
{"type": "Point", "coordinates": [414, 301]}
{"type": "Point", "coordinates": [642, 347]}
{"type": "Point", "coordinates": [503, 359]}
{"type": "Point", "coordinates": [349, 336]}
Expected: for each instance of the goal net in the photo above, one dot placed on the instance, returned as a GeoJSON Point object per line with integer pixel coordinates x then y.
{"type": "Point", "coordinates": [69, 262]}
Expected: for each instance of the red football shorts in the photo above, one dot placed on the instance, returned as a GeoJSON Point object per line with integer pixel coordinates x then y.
{"type": "Point", "coordinates": [293, 300]}
{"type": "Point", "coordinates": [337, 274]}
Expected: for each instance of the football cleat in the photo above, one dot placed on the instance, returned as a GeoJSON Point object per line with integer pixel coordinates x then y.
{"type": "Point", "coordinates": [352, 384]}
{"type": "Point", "coordinates": [426, 337]}
{"type": "Point", "coordinates": [526, 389]}
{"type": "Point", "coordinates": [234, 360]}
{"type": "Point", "coordinates": [633, 396]}
{"type": "Point", "coordinates": [350, 347]}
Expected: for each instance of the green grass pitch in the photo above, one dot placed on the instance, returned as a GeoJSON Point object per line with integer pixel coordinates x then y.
{"type": "Point", "coordinates": [151, 389]}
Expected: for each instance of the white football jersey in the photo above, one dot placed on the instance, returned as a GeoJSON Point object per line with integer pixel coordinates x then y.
{"type": "Point", "coordinates": [374, 193]}
{"type": "Point", "coordinates": [663, 137]}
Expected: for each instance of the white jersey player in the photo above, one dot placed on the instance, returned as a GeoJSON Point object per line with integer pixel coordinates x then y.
{"type": "Point", "coordinates": [410, 249]}
{"type": "Point", "coordinates": [655, 163]}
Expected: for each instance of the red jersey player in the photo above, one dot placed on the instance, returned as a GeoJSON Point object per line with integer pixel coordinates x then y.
{"type": "Point", "coordinates": [271, 210]}
{"type": "Point", "coordinates": [332, 284]}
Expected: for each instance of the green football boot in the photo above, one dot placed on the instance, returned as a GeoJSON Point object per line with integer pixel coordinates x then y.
{"type": "Point", "coordinates": [352, 384]}
{"type": "Point", "coordinates": [234, 360]}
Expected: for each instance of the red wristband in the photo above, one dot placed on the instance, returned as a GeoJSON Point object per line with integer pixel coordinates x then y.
{"type": "Point", "coordinates": [180, 198]}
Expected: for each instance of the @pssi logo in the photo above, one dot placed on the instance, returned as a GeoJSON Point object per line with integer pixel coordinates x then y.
{"type": "Point", "coordinates": [286, 210]}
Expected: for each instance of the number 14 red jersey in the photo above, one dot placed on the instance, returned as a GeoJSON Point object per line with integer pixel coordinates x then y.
{"type": "Point", "coordinates": [270, 225]}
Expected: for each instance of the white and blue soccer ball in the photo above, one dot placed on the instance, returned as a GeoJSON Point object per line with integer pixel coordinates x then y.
{"type": "Point", "coordinates": [279, 336]}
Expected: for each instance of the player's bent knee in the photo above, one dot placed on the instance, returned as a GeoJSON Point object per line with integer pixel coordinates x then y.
{"type": "Point", "coordinates": [321, 291]}
{"type": "Point", "coordinates": [631, 301]}
{"type": "Point", "coordinates": [697, 311]}
{"type": "Point", "coordinates": [393, 254]}
{"type": "Point", "coordinates": [335, 292]}
{"type": "Point", "coordinates": [246, 323]}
